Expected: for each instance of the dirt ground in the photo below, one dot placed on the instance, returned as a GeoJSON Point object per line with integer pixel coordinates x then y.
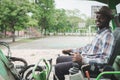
{"type": "Point", "coordinates": [32, 52]}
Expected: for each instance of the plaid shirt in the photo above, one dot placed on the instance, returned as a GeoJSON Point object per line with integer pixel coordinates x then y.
{"type": "Point", "coordinates": [101, 46]}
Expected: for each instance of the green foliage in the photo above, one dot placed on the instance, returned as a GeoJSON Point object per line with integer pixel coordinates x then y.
{"type": "Point", "coordinates": [89, 21]}
{"type": "Point", "coordinates": [66, 20]}
{"type": "Point", "coordinates": [13, 14]}
{"type": "Point", "coordinates": [45, 19]}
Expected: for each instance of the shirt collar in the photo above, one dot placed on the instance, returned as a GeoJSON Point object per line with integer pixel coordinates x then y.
{"type": "Point", "coordinates": [101, 30]}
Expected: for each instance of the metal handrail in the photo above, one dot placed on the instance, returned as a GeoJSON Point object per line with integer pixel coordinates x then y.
{"type": "Point", "coordinates": [107, 72]}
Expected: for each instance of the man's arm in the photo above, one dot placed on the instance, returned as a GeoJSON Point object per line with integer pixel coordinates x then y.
{"type": "Point", "coordinates": [107, 45]}
{"type": "Point", "coordinates": [79, 50]}
{"type": "Point", "coordinates": [77, 58]}
{"type": "Point", "coordinates": [69, 51]}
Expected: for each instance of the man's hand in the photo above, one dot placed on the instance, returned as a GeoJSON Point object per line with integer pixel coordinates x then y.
{"type": "Point", "coordinates": [67, 51]}
{"type": "Point", "coordinates": [77, 58]}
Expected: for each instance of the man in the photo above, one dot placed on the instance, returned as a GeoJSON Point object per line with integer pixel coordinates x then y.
{"type": "Point", "coordinates": [100, 46]}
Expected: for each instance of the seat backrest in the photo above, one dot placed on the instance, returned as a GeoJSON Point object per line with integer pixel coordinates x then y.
{"type": "Point", "coordinates": [115, 52]}
{"type": "Point", "coordinates": [116, 47]}
{"type": "Point", "coordinates": [116, 66]}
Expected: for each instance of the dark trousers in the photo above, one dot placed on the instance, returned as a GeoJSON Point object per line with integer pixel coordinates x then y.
{"type": "Point", "coordinates": [63, 64]}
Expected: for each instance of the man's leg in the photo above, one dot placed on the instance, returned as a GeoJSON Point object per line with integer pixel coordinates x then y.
{"type": "Point", "coordinates": [63, 64]}
{"type": "Point", "coordinates": [62, 69]}
{"type": "Point", "coordinates": [62, 59]}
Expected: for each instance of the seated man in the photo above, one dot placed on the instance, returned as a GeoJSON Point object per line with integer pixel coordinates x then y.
{"type": "Point", "coordinates": [100, 47]}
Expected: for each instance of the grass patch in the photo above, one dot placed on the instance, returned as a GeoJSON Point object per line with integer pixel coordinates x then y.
{"type": "Point", "coordinates": [25, 40]}
{"type": "Point", "coordinates": [20, 41]}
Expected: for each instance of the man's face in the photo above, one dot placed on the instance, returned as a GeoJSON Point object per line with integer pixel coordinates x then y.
{"type": "Point", "coordinates": [101, 21]}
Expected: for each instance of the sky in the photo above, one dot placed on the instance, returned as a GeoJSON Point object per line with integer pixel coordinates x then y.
{"type": "Point", "coordinates": [83, 5]}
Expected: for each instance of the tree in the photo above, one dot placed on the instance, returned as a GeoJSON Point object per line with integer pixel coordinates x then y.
{"type": "Point", "coordinates": [46, 9]}
{"type": "Point", "coordinates": [60, 20]}
{"type": "Point", "coordinates": [89, 21]}
{"type": "Point", "coordinates": [74, 18]}
{"type": "Point", "coordinates": [13, 14]}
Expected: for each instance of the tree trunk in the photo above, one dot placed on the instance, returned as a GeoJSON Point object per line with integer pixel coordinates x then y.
{"type": "Point", "coordinates": [13, 34]}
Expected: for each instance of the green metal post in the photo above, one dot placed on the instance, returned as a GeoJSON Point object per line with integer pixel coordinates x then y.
{"type": "Point", "coordinates": [112, 5]}
{"type": "Point", "coordinates": [110, 72]}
